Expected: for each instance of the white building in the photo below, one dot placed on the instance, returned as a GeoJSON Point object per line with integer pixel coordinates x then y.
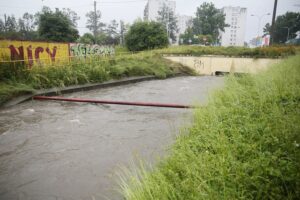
{"type": "Point", "coordinates": [183, 22]}
{"type": "Point", "coordinates": [153, 6]}
{"type": "Point", "coordinates": [234, 35]}
{"type": "Point", "coordinates": [297, 35]}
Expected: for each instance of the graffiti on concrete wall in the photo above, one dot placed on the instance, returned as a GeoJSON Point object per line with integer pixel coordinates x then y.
{"type": "Point", "coordinates": [198, 63]}
{"type": "Point", "coordinates": [31, 53]}
{"type": "Point", "coordinates": [83, 50]}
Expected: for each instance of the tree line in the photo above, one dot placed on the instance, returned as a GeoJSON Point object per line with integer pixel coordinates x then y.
{"type": "Point", "coordinates": [60, 25]}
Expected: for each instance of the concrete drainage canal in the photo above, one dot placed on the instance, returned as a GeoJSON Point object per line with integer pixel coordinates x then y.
{"type": "Point", "coordinates": [66, 150]}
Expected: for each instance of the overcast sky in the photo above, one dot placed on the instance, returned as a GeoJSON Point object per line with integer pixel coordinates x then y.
{"type": "Point", "coordinates": [129, 10]}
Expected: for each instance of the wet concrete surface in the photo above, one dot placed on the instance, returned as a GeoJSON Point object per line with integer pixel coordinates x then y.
{"type": "Point", "coordinates": [62, 150]}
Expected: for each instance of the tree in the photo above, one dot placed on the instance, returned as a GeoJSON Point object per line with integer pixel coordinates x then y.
{"type": "Point", "coordinates": [146, 35]}
{"type": "Point", "coordinates": [11, 24]}
{"type": "Point", "coordinates": [188, 37]}
{"type": "Point", "coordinates": [87, 38]}
{"type": "Point", "coordinates": [27, 27]}
{"type": "Point", "coordinates": [72, 15]}
{"type": "Point", "coordinates": [2, 26]}
{"type": "Point", "coordinates": [93, 22]}
{"type": "Point", "coordinates": [56, 26]}
{"type": "Point", "coordinates": [209, 21]}
{"type": "Point", "coordinates": [205, 39]}
{"type": "Point", "coordinates": [10, 28]}
{"type": "Point", "coordinates": [102, 38]}
{"type": "Point", "coordinates": [112, 28]}
{"type": "Point", "coordinates": [289, 22]}
{"type": "Point", "coordinates": [112, 33]}
{"type": "Point", "coordinates": [167, 18]}
{"type": "Point", "coordinates": [267, 29]}
{"type": "Point", "coordinates": [29, 22]}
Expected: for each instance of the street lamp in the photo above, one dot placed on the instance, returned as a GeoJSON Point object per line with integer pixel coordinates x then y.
{"type": "Point", "coordinates": [259, 20]}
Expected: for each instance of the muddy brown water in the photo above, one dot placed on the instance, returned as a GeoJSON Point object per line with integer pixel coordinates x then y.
{"type": "Point", "coordinates": [62, 150]}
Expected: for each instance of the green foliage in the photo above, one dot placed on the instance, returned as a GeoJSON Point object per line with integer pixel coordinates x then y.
{"type": "Point", "coordinates": [87, 38]}
{"type": "Point", "coordinates": [56, 26]}
{"type": "Point", "coordinates": [27, 27]}
{"type": "Point", "coordinates": [188, 37]}
{"type": "Point", "coordinates": [120, 50]}
{"type": "Point", "coordinates": [93, 22]}
{"type": "Point", "coordinates": [289, 20]}
{"type": "Point", "coordinates": [11, 24]}
{"type": "Point", "coordinates": [16, 79]}
{"type": "Point", "coordinates": [243, 145]}
{"type": "Point", "coordinates": [12, 29]}
{"type": "Point", "coordinates": [108, 36]}
{"type": "Point", "coordinates": [205, 39]}
{"type": "Point", "coordinates": [12, 89]}
{"type": "Point", "coordinates": [145, 36]}
{"type": "Point", "coordinates": [208, 21]}
{"type": "Point", "coordinates": [265, 52]}
{"type": "Point", "coordinates": [113, 36]}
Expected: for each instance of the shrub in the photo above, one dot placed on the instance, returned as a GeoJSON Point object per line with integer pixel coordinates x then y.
{"type": "Point", "coordinates": [146, 35]}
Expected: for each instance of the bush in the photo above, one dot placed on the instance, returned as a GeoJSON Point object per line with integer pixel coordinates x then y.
{"type": "Point", "coordinates": [146, 35]}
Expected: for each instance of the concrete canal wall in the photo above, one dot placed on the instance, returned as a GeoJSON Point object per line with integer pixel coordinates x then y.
{"type": "Point", "coordinates": [43, 53]}
{"type": "Point", "coordinates": [209, 65]}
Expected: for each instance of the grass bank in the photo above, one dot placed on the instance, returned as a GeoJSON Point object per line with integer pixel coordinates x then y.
{"type": "Point", "coordinates": [243, 145]}
{"type": "Point", "coordinates": [16, 79]}
{"type": "Point", "coordinates": [265, 52]}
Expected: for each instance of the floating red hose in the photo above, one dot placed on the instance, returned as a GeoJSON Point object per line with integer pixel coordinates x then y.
{"type": "Point", "coordinates": [112, 102]}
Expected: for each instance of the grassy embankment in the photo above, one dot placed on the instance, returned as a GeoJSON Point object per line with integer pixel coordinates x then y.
{"type": "Point", "coordinates": [266, 52]}
{"type": "Point", "coordinates": [243, 145]}
{"type": "Point", "coordinates": [16, 79]}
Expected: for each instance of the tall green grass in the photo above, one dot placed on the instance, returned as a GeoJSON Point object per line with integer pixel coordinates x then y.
{"type": "Point", "coordinates": [16, 79]}
{"type": "Point", "coordinates": [265, 52]}
{"type": "Point", "coordinates": [14, 76]}
{"type": "Point", "coordinates": [243, 145]}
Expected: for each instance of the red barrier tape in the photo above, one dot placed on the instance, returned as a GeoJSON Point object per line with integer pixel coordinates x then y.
{"type": "Point", "coordinates": [112, 102]}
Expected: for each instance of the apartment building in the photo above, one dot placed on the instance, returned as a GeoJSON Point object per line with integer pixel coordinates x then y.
{"type": "Point", "coordinates": [234, 34]}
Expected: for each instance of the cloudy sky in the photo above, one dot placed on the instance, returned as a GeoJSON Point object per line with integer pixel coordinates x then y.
{"type": "Point", "coordinates": [129, 10]}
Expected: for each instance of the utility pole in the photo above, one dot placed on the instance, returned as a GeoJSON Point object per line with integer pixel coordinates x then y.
{"type": "Point", "coordinates": [95, 21]}
{"type": "Point", "coordinates": [122, 33]}
{"type": "Point", "coordinates": [5, 23]}
{"type": "Point", "coordinates": [273, 22]}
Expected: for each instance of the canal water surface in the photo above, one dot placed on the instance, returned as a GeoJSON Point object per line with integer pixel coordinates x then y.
{"type": "Point", "coordinates": [65, 151]}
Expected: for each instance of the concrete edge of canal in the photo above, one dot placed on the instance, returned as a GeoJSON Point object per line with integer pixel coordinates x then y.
{"type": "Point", "coordinates": [75, 88]}
{"type": "Point", "coordinates": [78, 88]}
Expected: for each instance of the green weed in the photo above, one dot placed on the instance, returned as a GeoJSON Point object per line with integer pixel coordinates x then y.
{"type": "Point", "coordinates": [265, 52]}
{"type": "Point", "coordinates": [243, 145]}
{"type": "Point", "coordinates": [81, 71]}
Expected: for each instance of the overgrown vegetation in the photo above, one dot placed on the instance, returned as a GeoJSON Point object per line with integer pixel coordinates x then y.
{"type": "Point", "coordinates": [286, 26]}
{"type": "Point", "coordinates": [243, 145]}
{"type": "Point", "coordinates": [16, 79]}
{"type": "Point", "coordinates": [146, 35]}
{"type": "Point", "coordinates": [265, 52]}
